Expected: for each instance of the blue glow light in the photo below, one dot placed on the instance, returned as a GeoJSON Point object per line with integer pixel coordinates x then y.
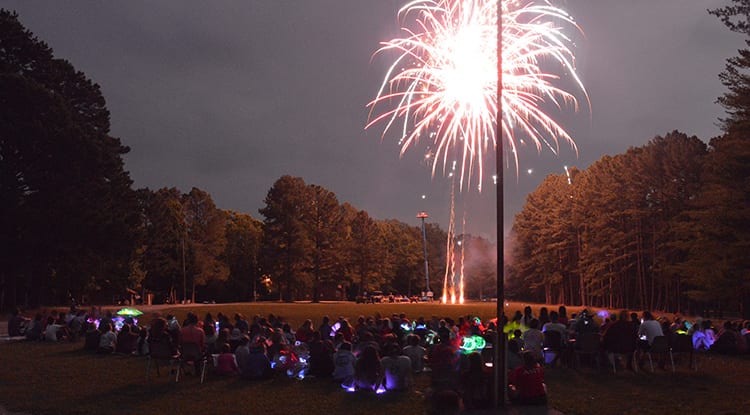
{"type": "Point", "coordinates": [336, 326]}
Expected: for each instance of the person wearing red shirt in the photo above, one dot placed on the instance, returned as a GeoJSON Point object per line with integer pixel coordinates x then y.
{"type": "Point", "coordinates": [304, 333]}
{"type": "Point", "coordinates": [191, 333]}
{"type": "Point", "coordinates": [527, 383]}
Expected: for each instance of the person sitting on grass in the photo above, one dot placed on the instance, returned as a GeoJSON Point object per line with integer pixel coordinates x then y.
{"type": "Point", "coordinates": [35, 330]}
{"type": "Point", "coordinates": [647, 332]}
{"type": "Point", "coordinates": [555, 325]}
{"type": "Point", "coordinates": [325, 328]}
{"type": "Point", "coordinates": [127, 341]}
{"type": "Point", "coordinates": [226, 363]}
{"type": "Point", "coordinates": [620, 338]}
{"type": "Point", "coordinates": [415, 352]}
{"type": "Point", "coordinates": [443, 360]}
{"type": "Point", "coordinates": [527, 383]}
{"type": "Point", "coordinates": [191, 333]}
{"type": "Point", "coordinates": [17, 324]}
{"type": "Point", "coordinates": [209, 328]}
{"type": "Point", "coordinates": [158, 334]}
{"type": "Point", "coordinates": [173, 328]}
{"type": "Point", "coordinates": [91, 338]}
{"type": "Point", "coordinates": [366, 340]}
{"type": "Point", "coordinates": [142, 344]}
{"type": "Point", "coordinates": [533, 339]}
{"type": "Point", "coordinates": [305, 332]}
{"type": "Point", "coordinates": [397, 369]}
{"type": "Point", "coordinates": [278, 343]}
{"type": "Point", "coordinates": [289, 337]}
{"type": "Point", "coordinates": [729, 340]}
{"type": "Point", "coordinates": [528, 315]}
{"type": "Point", "coordinates": [368, 371]}
{"type": "Point", "coordinates": [476, 383]}
{"type": "Point", "coordinates": [514, 355]}
{"type": "Point", "coordinates": [346, 329]}
{"type": "Point", "coordinates": [242, 352]}
{"type": "Point", "coordinates": [256, 365]}
{"type": "Point", "coordinates": [321, 356]}
{"type": "Point", "coordinates": [53, 331]}
{"type": "Point", "coordinates": [108, 339]}
{"type": "Point", "coordinates": [344, 361]}
{"type": "Point", "coordinates": [241, 323]}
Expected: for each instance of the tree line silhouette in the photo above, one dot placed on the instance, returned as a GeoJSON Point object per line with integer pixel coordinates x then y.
{"type": "Point", "coordinates": [663, 226]}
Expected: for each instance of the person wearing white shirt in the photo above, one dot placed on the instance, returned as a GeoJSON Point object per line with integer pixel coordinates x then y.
{"type": "Point", "coordinates": [649, 329]}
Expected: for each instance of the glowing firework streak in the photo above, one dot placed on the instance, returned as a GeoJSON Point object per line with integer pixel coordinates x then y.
{"type": "Point", "coordinates": [449, 251]}
{"type": "Point", "coordinates": [449, 281]}
{"type": "Point", "coordinates": [444, 79]}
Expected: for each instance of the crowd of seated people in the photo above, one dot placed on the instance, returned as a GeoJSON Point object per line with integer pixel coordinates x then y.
{"type": "Point", "coordinates": [376, 353]}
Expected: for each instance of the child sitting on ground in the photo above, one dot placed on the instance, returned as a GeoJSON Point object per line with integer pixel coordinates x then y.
{"type": "Point", "coordinates": [226, 363]}
{"type": "Point", "coordinates": [527, 382]}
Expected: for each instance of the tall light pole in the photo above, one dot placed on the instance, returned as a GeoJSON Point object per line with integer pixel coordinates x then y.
{"type": "Point", "coordinates": [423, 215]}
{"type": "Point", "coordinates": [499, 365]}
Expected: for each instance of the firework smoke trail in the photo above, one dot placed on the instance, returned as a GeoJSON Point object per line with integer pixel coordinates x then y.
{"type": "Point", "coordinates": [461, 269]}
{"type": "Point", "coordinates": [450, 263]}
{"type": "Point", "coordinates": [450, 279]}
{"type": "Point", "coordinates": [444, 79]}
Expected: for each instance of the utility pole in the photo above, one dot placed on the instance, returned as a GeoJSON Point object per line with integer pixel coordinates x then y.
{"type": "Point", "coordinates": [184, 275]}
{"type": "Point", "coordinates": [423, 215]}
{"type": "Point", "coordinates": [499, 365]}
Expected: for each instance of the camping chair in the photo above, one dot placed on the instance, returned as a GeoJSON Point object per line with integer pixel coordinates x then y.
{"type": "Point", "coordinates": [192, 354]}
{"type": "Point", "coordinates": [552, 345]}
{"type": "Point", "coordinates": [588, 344]}
{"type": "Point", "coordinates": [160, 352]}
{"type": "Point", "coordinates": [683, 344]}
{"type": "Point", "coordinates": [661, 347]}
{"type": "Point", "coordinates": [627, 351]}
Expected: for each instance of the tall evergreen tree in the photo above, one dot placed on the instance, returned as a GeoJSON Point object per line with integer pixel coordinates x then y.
{"type": "Point", "coordinates": [205, 229]}
{"type": "Point", "coordinates": [735, 77]}
{"type": "Point", "coordinates": [365, 250]}
{"type": "Point", "coordinates": [242, 255]}
{"type": "Point", "coordinates": [326, 230]}
{"type": "Point", "coordinates": [286, 240]}
{"type": "Point", "coordinates": [404, 262]}
{"type": "Point", "coordinates": [67, 210]}
{"type": "Point", "coordinates": [725, 201]}
{"type": "Point", "coordinates": [163, 243]}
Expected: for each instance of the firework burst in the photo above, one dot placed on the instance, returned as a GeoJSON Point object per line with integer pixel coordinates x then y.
{"type": "Point", "coordinates": [443, 81]}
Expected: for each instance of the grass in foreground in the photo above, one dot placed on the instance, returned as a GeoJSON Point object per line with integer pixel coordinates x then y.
{"type": "Point", "coordinates": [44, 378]}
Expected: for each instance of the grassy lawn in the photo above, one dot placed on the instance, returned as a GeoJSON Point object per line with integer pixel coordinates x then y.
{"type": "Point", "coordinates": [44, 378]}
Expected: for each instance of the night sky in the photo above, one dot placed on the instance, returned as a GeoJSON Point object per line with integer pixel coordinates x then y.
{"type": "Point", "coordinates": [228, 96]}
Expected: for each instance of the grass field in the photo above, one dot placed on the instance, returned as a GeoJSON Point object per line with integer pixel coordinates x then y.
{"type": "Point", "coordinates": [41, 378]}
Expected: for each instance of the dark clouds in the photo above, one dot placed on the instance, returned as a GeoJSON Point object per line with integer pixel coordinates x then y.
{"type": "Point", "coordinates": [228, 96]}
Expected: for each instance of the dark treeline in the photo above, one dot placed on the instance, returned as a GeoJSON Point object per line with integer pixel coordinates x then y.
{"type": "Point", "coordinates": [664, 226]}
{"type": "Point", "coordinates": [73, 227]}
